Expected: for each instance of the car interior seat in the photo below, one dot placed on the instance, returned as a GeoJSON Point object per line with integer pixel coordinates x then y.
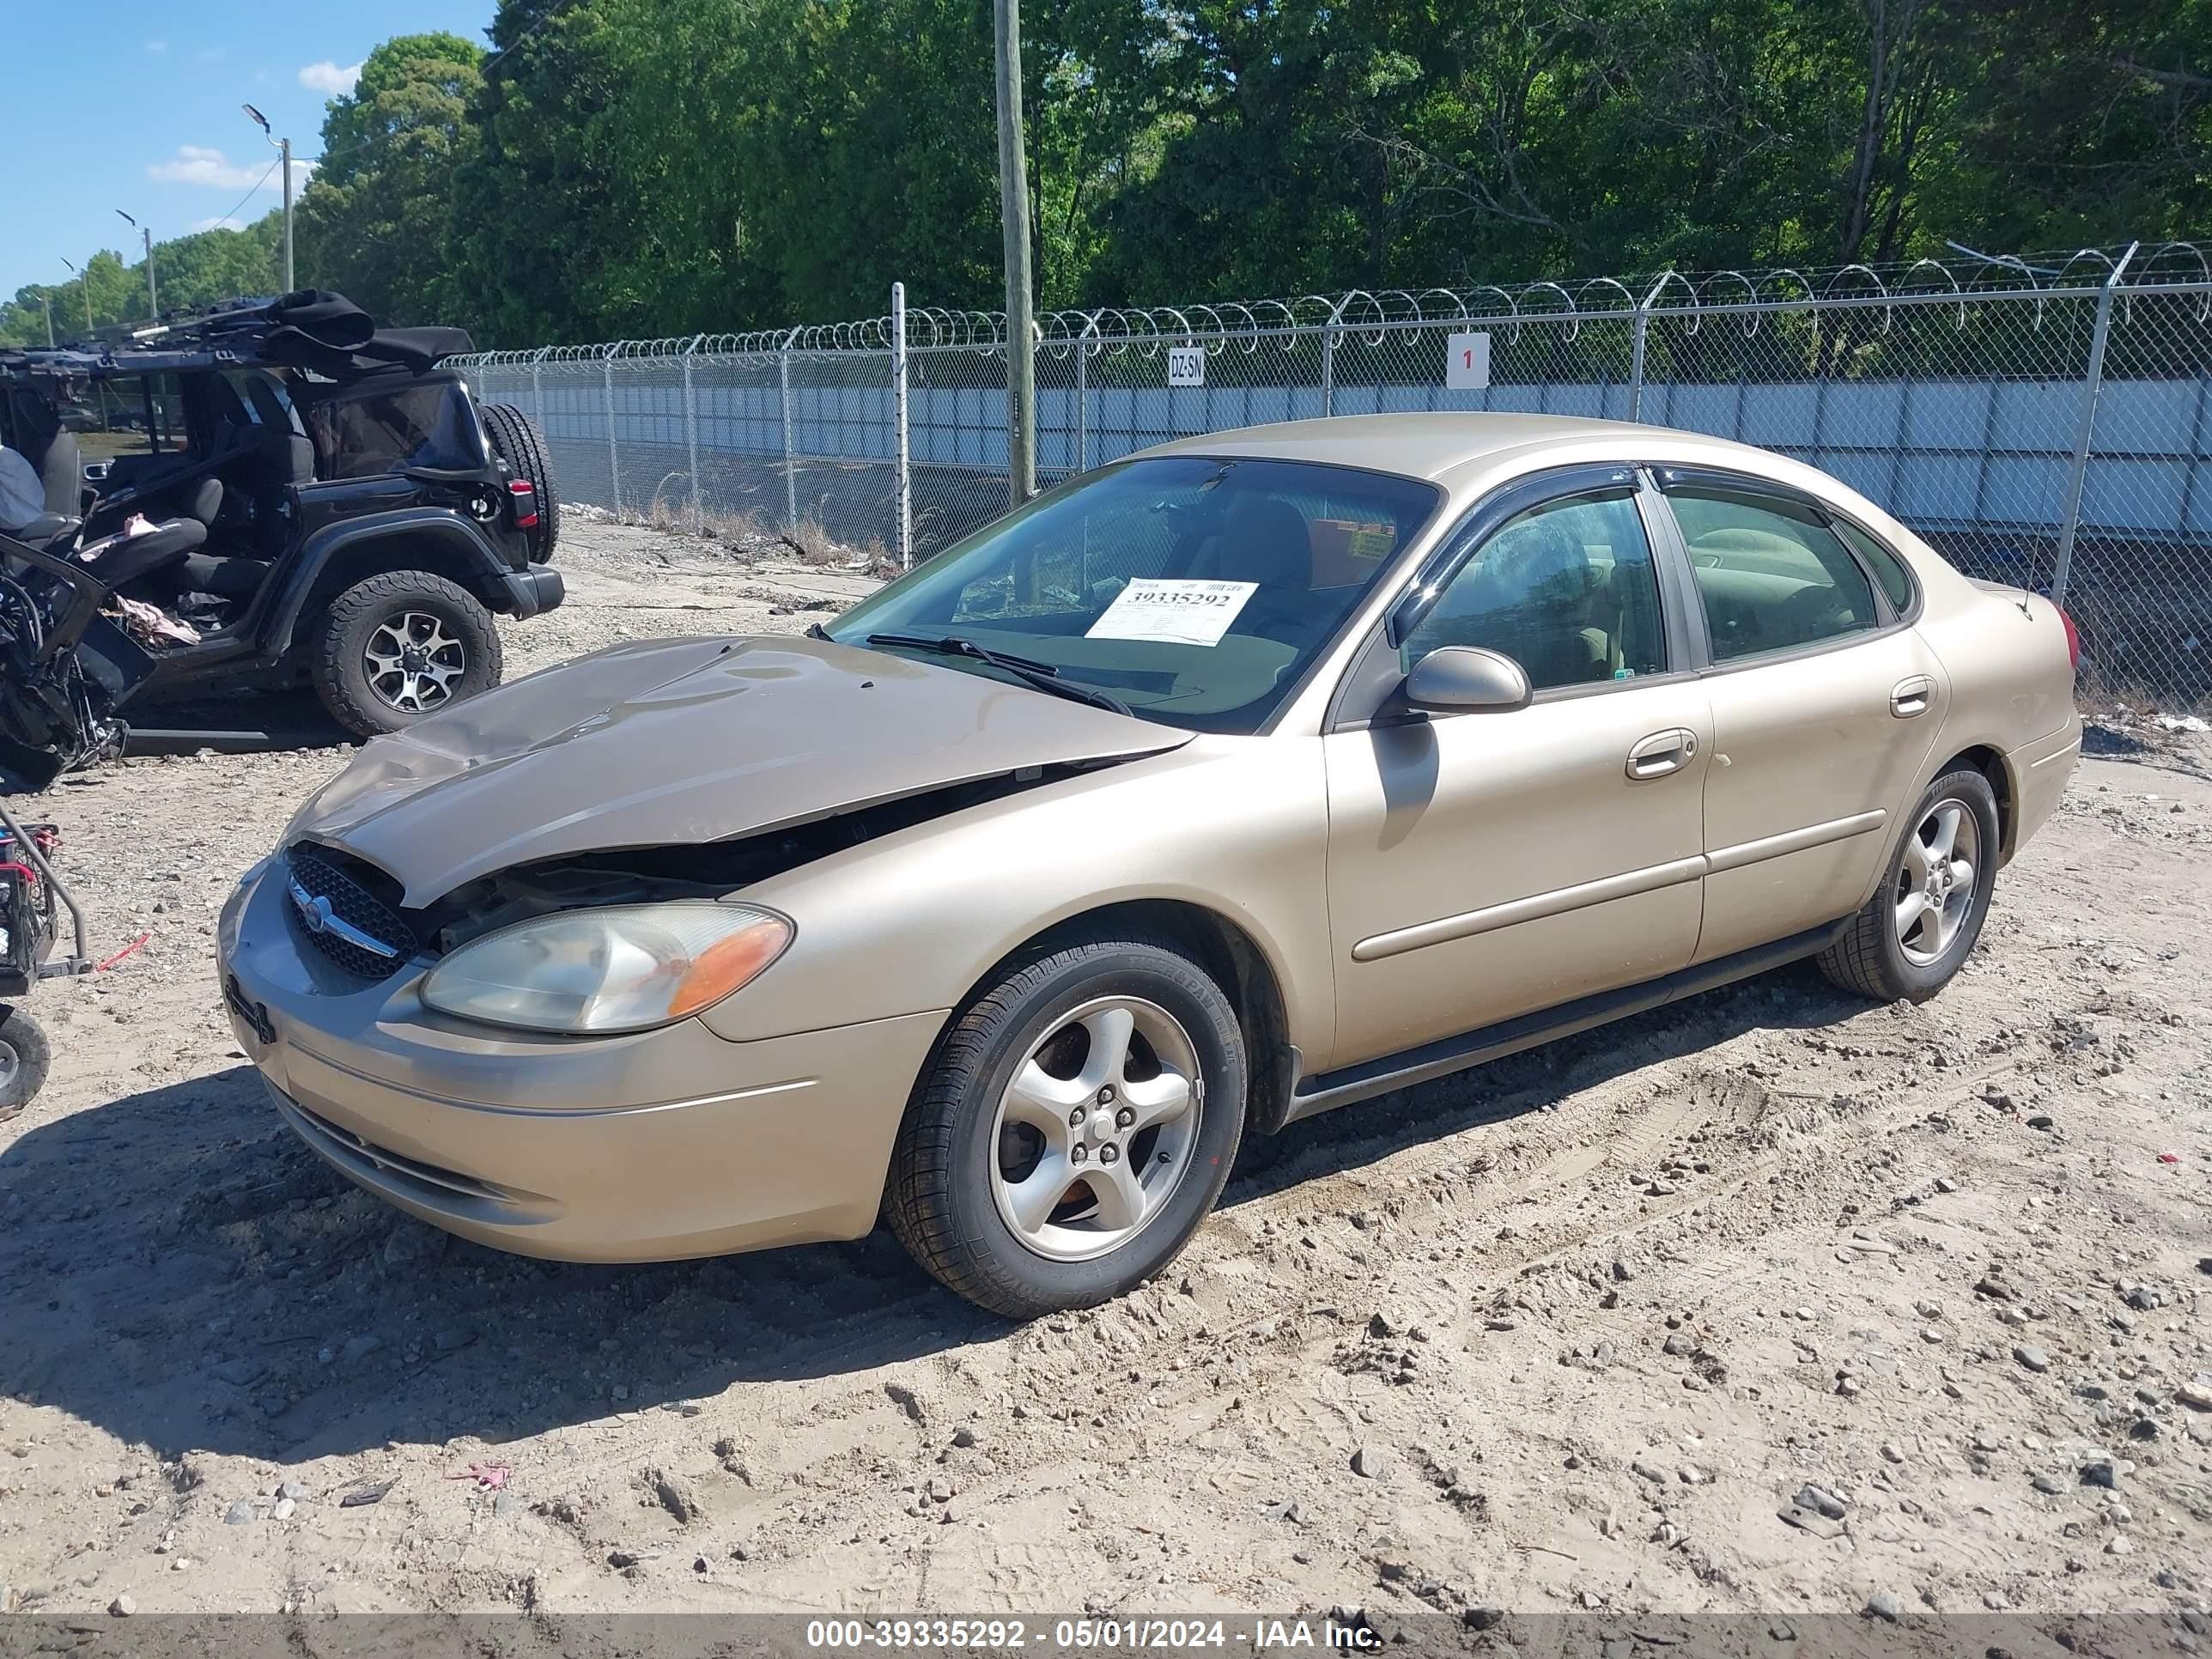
{"type": "Point", "coordinates": [62, 472]}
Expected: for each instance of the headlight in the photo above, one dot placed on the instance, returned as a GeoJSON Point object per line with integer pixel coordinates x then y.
{"type": "Point", "coordinates": [623, 968]}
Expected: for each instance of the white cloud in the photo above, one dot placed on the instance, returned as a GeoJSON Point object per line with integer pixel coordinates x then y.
{"type": "Point", "coordinates": [218, 224]}
{"type": "Point", "coordinates": [328, 77]}
{"type": "Point", "coordinates": [157, 47]}
{"type": "Point", "coordinates": [209, 54]}
{"type": "Point", "coordinates": [197, 164]}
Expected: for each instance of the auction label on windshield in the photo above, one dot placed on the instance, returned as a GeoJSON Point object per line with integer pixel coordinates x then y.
{"type": "Point", "coordinates": [1169, 608]}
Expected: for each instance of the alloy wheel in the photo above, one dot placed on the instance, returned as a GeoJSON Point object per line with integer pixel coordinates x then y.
{"type": "Point", "coordinates": [1933, 888]}
{"type": "Point", "coordinates": [412, 662]}
{"type": "Point", "coordinates": [1095, 1132]}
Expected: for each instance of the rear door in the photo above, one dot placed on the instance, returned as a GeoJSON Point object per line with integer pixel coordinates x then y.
{"type": "Point", "coordinates": [1825, 704]}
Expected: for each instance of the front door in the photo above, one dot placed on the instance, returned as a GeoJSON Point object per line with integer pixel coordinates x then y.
{"type": "Point", "coordinates": [1486, 864]}
{"type": "Point", "coordinates": [1824, 707]}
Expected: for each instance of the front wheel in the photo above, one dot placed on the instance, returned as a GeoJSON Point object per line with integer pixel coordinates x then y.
{"type": "Point", "coordinates": [26, 1056]}
{"type": "Point", "coordinates": [1922, 922]}
{"type": "Point", "coordinates": [400, 646]}
{"type": "Point", "coordinates": [1074, 1128]}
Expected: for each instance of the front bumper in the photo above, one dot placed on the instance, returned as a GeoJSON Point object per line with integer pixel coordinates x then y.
{"type": "Point", "coordinates": [650, 1146]}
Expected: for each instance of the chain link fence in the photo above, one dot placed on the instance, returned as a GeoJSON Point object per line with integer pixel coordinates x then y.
{"type": "Point", "coordinates": [2046, 424]}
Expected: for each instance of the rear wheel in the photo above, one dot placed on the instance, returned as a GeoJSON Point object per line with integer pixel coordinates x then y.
{"type": "Point", "coordinates": [25, 1058]}
{"type": "Point", "coordinates": [522, 446]}
{"type": "Point", "coordinates": [1920, 925]}
{"type": "Point", "coordinates": [400, 646]}
{"type": "Point", "coordinates": [1077, 1124]}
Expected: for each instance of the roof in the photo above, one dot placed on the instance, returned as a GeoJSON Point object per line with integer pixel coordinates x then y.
{"type": "Point", "coordinates": [323, 333]}
{"type": "Point", "coordinates": [1436, 446]}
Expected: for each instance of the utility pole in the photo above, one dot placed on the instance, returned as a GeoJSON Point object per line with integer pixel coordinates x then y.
{"type": "Point", "coordinates": [1014, 203]}
{"type": "Point", "coordinates": [284, 151]}
{"type": "Point", "coordinates": [46, 298]}
{"type": "Point", "coordinates": [153, 295]}
{"type": "Point", "coordinates": [83, 287]}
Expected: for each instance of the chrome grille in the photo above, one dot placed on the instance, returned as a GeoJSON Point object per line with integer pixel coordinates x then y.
{"type": "Point", "coordinates": [344, 920]}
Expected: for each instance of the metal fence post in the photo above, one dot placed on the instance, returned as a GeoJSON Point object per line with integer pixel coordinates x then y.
{"type": "Point", "coordinates": [692, 437]}
{"type": "Point", "coordinates": [1636, 353]}
{"type": "Point", "coordinates": [1328, 363]}
{"type": "Point", "coordinates": [614, 455]}
{"type": "Point", "coordinates": [2093, 381]}
{"type": "Point", "coordinates": [790, 477]}
{"type": "Point", "coordinates": [537, 386]}
{"type": "Point", "coordinates": [1083, 397]}
{"type": "Point", "coordinates": [902, 489]}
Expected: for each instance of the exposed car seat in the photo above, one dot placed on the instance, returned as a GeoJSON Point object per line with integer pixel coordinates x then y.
{"type": "Point", "coordinates": [119, 560]}
{"type": "Point", "coordinates": [62, 472]}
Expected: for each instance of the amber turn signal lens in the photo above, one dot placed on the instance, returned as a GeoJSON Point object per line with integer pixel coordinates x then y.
{"type": "Point", "coordinates": [728, 964]}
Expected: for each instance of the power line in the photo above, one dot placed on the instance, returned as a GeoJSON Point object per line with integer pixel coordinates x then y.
{"type": "Point", "coordinates": [249, 195]}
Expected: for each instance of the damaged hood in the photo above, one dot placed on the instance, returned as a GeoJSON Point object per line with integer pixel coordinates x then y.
{"type": "Point", "coordinates": [683, 741]}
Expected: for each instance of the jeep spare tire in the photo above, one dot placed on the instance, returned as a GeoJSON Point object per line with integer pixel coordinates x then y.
{"type": "Point", "coordinates": [518, 442]}
{"type": "Point", "coordinates": [400, 646]}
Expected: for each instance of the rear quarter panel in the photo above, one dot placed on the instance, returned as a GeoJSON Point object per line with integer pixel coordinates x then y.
{"type": "Point", "coordinates": [2012, 688]}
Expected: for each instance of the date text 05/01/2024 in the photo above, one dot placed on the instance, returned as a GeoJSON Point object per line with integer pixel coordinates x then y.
{"type": "Point", "coordinates": [1091, 1635]}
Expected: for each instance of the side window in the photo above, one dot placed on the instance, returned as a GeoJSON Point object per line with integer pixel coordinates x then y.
{"type": "Point", "coordinates": [1771, 575]}
{"type": "Point", "coordinates": [1566, 590]}
{"type": "Point", "coordinates": [365, 433]}
{"type": "Point", "coordinates": [1888, 569]}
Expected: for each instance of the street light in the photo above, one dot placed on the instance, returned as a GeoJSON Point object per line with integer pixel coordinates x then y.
{"type": "Point", "coordinates": [84, 283]}
{"type": "Point", "coordinates": [153, 297]}
{"type": "Point", "coordinates": [284, 151]}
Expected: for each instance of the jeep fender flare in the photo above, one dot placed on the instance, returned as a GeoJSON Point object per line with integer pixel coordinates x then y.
{"type": "Point", "coordinates": [462, 552]}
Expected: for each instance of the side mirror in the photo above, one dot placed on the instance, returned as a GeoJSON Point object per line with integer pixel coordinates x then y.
{"type": "Point", "coordinates": [1467, 677]}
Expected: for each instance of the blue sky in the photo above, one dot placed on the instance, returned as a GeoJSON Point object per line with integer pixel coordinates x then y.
{"type": "Point", "coordinates": [134, 104]}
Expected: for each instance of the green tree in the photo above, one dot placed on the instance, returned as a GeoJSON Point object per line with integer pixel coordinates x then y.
{"type": "Point", "coordinates": [376, 223]}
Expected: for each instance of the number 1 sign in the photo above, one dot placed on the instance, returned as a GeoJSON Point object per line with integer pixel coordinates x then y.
{"type": "Point", "coordinates": [1466, 363]}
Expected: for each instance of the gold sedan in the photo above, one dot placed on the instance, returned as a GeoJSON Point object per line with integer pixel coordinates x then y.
{"type": "Point", "coordinates": [1252, 776]}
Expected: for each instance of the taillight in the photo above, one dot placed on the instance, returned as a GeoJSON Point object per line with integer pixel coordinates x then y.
{"type": "Point", "coordinates": [525, 505]}
{"type": "Point", "coordinates": [2073, 639]}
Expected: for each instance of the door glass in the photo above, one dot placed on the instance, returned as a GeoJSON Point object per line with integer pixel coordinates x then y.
{"type": "Point", "coordinates": [1565, 589]}
{"type": "Point", "coordinates": [1771, 575]}
{"type": "Point", "coordinates": [1888, 569]}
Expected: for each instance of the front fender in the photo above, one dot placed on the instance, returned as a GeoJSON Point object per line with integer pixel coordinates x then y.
{"type": "Point", "coordinates": [1236, 826]}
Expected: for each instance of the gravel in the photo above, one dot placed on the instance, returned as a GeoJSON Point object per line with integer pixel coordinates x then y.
{"type": "Point", "coordinates": [161, 1224]}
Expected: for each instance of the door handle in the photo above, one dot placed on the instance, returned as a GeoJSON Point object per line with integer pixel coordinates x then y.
{"type": "Point", "coordinates": [1663, 752]}
{"type": "Point", "coordinates": [1911, 696]}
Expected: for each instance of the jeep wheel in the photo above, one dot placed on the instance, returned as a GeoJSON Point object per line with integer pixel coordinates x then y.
{"type": "Point", "coordinates": [400, 646]}
{"type": "Point", "coordinates": [522, 446]}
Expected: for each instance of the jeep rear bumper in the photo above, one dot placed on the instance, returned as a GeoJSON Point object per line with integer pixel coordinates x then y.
{"type": "Point", "coordinates": [530, 591]}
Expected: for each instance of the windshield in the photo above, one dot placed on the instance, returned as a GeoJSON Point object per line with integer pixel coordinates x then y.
{"type": "Point", "coordinates": [1195, 590]}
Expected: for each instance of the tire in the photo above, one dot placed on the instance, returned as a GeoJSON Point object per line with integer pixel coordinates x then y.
{"type": "Point", "coordinates": [1879, 956]}
{"type": "Point", "coordinates": [369, 705]}
{"type": "Point", "coordinates": [522, 446]}
{"type": "Point", "coordinates": [952, 1189]}
{"type": "Point", "coordinates": [25, 1057]}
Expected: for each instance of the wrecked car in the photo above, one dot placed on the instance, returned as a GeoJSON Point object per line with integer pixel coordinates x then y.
{"type": "Point", "coordinates": [271, 492]}
{"type": "Point", "coordinates": [1252, 776]}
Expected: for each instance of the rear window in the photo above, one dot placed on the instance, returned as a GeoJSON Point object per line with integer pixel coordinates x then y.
{"type": "Point", "coordinates": [362, 434]}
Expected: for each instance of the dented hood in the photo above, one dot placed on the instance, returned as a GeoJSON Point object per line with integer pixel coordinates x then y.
{"type": "Point", "coordinates": [683, 741]}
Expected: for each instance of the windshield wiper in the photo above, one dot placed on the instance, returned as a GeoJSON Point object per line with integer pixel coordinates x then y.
{"type": "Point", "coordinates": [1044, 676]}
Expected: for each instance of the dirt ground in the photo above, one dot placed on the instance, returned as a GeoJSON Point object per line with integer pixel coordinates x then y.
{"type": "Point", "coordinates": [1573, 1331]}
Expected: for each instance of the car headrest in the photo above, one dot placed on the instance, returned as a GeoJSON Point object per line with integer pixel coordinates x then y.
{"type": "Point", "coordinates": [300, 460]}
{"type": "Point", "coordinates": [203, 501]}
{"type": "Point", "coordinates": [62, 472]}
{"type": "Point", "coordinates": [1264, 540]}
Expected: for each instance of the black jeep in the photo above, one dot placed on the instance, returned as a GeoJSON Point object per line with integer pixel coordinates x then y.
{"type": "Point", "coordinates": [310, 495]}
